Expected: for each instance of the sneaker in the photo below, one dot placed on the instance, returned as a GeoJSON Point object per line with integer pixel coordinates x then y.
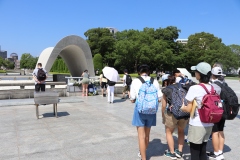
{"type": "Point", "coordinates": [139, 154]}
{"type": "Point", "coordinates": [170, 155]}
{"type": "Point", "coordinates": [211, 155]}
{"type": "Point", "coordinates": [178, 153]}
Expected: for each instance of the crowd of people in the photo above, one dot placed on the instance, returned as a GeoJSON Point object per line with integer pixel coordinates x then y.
{"type": "Point", "coordinates": [198, 131]}
{"type": "Point", "coordinates": [146, 93]}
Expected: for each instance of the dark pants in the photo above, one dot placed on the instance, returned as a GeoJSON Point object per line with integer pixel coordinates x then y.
{"type": "Point", "coordinates": [198, 151]}
{"type": "Point", "coordinates": [39, 87]}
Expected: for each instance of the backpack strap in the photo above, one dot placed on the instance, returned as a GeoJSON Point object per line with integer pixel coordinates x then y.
{"type": "Point", "coordinates": [151, 80]}
{"type": "Point", "coordinates": [141, 79]}
{"type": "Point", "coordinates": [205, 88]}
{"type": "Point", "coordinates": [219, 84]}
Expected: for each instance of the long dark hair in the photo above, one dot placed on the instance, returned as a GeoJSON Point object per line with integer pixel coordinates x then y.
{"type": "Point", "coordinates": [171, 79]}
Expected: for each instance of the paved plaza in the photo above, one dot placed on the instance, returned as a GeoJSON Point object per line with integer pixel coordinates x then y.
{"type": "Point", "coordinates": [88, 128]}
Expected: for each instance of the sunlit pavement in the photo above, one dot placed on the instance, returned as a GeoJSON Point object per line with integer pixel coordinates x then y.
{"type": "Point", "coordinates": [88, 128]}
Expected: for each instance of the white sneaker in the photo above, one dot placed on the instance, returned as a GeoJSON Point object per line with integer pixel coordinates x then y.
{"type": "Point", "coordinates": [220, 157]}
{"type": "Point", "coordinates": [139, 155]}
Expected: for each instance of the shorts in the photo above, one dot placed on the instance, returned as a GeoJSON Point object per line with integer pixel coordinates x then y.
{"type": "Point", "coordinates": [104, 85]}
{"type": "Point", "coordinates": [85, 81]}
{"type": "Point", "coordinates": [143, 120]}
{"type": "Point", "coordinates": [218, 126]}
{"type": "Point", "coordinates": [172, 122]}
{"type": "Point", "coordinates": [199, 134]}
{"type": "Point", "coordinates": [126, 88]}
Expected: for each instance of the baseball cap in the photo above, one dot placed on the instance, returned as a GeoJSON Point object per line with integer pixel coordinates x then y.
{"type": "Point", "coordinates": [202, 67]}
{"type": "Point", "coordinates": [217, 71]}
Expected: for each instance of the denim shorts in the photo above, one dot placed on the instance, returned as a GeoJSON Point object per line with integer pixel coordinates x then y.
{"type": "Point", "coordinates": [143, 120]}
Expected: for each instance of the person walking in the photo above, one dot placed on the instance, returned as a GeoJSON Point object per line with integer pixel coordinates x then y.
{"type": "Point", "coordinates": [218, 137]}
{"type": "Point", "coordinates": [85, 82]}
{"type": "Point", "coordinates": [171, 122]}
{"type": "Point", "coordinates": [127, 80]}
{"type": "Point", "coordinates": [198, 131]}
{"type": "Point", "coordinates": [39, 76]}
{"type": "Point", "coordinates": [103, 84]}
{"type": "Point", "coordinates": [110, 91]}
{"type": "Point", "coordinates": [143, 122]}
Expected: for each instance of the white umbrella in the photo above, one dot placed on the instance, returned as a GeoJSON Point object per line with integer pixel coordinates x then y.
{"type": "Point", "coordinates": [111, 74]}
{"type": "Point", "coordinates": [185, 72]}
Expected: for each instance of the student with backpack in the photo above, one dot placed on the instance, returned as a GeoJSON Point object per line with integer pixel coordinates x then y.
{"type": "Point", "coordinates": [39, 76]}
{"type": "Point", "coordinates": [200, 127]}
{"type": "Point", "coordinates": [173, 95]}
{"type": "Point", "coordinates": [145, 93]}
{"type": "Point", "coordinates": [127, 81]}
{"type": "Point", "coordinates": [230, 107]}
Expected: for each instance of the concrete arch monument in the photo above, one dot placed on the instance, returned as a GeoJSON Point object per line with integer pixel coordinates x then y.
{"type": "Point", "coordinates": [75, 52]}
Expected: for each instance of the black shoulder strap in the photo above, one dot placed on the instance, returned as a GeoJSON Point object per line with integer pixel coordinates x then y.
{"type": "Point", "coordinates": [220, 84]}
{"type": "Point", "coordinates": [151, 80]}
{"type": "Point", "coordinates": [141, 79]}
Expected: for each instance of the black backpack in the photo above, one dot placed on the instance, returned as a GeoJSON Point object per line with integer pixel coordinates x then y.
{"type": "Point", "coordinates": [41, 75]}
{"type": "Point", "coordinates": [128, 80]}
{"type": "Point", "coordinates": [230, 101]}
{"type": "Point", "coordinates": [111, 83]}
{"type": "Point", "coordinates": [177, 98]}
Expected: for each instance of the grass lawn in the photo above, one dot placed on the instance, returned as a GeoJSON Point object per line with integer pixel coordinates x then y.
{"type": "Point", "coordinates": [2, 71]}
{"type": "Point", "coordinates": [58, 73]}
{"type": "Point", "coordinates": [234, 78]}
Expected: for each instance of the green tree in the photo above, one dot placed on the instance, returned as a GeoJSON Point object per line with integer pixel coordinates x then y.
{"type": "Point", "coordinates": [101, 41]}
{"type": "Point", "coordinates": [97, 61]}
{"type": "Point", "coordinates": [27, 61]}
{"type": "Point", "coordinates": [206, 47]}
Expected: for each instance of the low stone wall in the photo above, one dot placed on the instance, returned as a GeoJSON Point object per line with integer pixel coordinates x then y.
{"type": "Point", "coordinates": [27, 93]}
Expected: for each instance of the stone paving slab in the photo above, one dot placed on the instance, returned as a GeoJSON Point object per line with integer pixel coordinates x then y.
{"type": "Point", "coordinates": [87, 128]}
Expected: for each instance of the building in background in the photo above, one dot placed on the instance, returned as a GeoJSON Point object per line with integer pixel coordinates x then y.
{"type": "Point", "coordinates": [3, 54]}
{"type": "Point", "coordinates": [112, 30]}
{"type": "Point", "coordinates": [183, 41]}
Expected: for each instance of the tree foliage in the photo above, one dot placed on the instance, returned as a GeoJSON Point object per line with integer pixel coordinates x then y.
{"type": "Point", "coordinates": [158, 48]}
{"type": "Point", "coordinates": [97, 62]}
{"type": "Point", "coordinates": [28, 61]}
{"type": "Point", "coordinates": [59, 66]}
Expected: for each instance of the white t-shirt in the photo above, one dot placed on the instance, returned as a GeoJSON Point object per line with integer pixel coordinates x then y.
{"type": "Point", "coordinates": [136, 85]}
{"type": "Point", "coordinates": [124, 80]}
{"type": "Point", "coordinates": [197, 92]}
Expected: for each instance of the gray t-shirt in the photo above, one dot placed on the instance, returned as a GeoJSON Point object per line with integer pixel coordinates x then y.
{"type": "Point", "coordinates": [35, 73]}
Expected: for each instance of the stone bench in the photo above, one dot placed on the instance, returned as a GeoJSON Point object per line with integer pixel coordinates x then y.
{"type": "Point", "coordinates": [47, 97]}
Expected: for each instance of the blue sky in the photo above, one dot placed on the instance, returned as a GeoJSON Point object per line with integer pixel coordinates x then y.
{"type": "Point", "coordinates": [30, 26]}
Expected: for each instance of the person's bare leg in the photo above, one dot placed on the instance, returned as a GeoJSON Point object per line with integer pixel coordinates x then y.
{"type": "Point", "coordinates": [147, 135]}
{"type": "Point", "coordinates": [215, 141]}
{"type": "Point", "coordinates": [221, 140]}
{"type": "Point", "coordinates": [83, 89]}
{"type": "Point", "coordinates": [180, 138]}
{"type": "Point", "coordinates": [86, 86]}
{"type": "Point", "coordinates": [170, 139]}
{"type": "Point", "coordinates": [142, 142]}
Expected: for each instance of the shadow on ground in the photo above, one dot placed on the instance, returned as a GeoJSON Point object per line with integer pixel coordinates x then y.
{"type": "Point", "coordinates": [59, 114]}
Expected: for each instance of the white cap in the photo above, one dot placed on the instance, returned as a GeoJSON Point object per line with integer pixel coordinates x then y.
{"type": "Point", "coordinates": [202, 67]}
{"type": "Point", "coordinates": [217, 71]}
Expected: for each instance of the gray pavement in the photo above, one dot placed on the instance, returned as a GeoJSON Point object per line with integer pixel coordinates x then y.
{"type": "Point", "coordinates": [88, 128]}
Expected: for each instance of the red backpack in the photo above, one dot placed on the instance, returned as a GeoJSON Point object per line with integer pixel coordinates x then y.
{"type": "Point", "coordinates": [211, 110]}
